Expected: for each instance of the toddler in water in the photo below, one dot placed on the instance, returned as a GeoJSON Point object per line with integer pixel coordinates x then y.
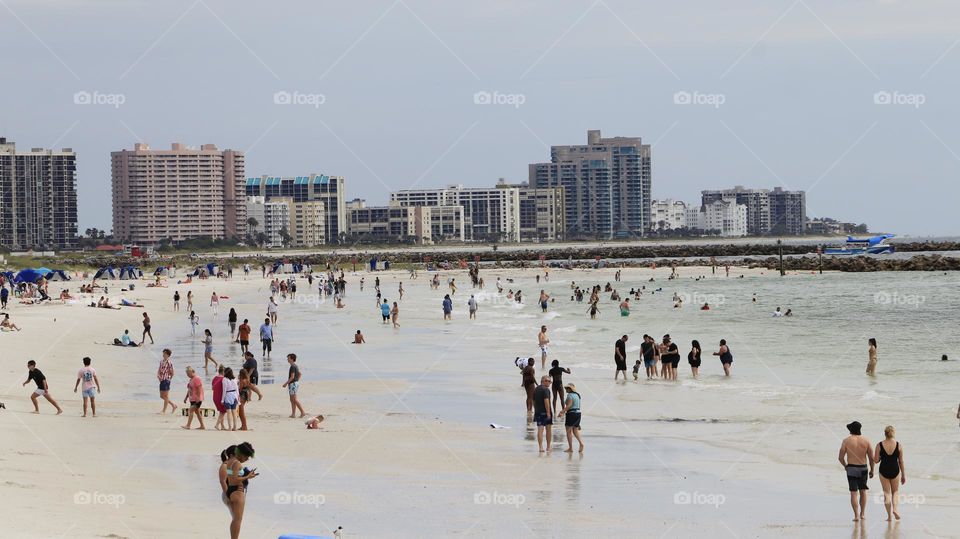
{"type": "Point", "coordinates": [636, 370]}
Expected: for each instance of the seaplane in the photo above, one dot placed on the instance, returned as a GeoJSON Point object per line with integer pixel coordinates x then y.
{"type": "Point", "coordinates": [876, 245]}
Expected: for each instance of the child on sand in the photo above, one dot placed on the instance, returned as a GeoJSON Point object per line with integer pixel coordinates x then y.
{"type": "Point", "coordinates": [636, 370]}
{"type": "Point", "coordinates": [42, 390]}
{"type": "Point", "coordinates": [314, 422]}
{"type": "Point", "coordinates": [91, 386]}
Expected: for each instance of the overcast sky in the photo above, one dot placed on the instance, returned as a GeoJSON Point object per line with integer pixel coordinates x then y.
{"type": "Point", "coordinates": [852, 100]}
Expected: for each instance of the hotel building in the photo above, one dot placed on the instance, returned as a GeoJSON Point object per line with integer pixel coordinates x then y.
{"type": "Point", "coordinates": [181, 193]}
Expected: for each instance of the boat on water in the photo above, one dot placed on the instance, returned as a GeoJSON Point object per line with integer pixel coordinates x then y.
{"type": "Point", "coordinates": [875, 245]}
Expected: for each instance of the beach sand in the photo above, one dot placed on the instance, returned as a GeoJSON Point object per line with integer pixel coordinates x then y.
{"type": "Point", "coordinates": [406, 450]}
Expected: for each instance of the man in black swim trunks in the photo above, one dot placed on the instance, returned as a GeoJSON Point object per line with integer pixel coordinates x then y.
{"type": "Point", "coordinates": [620, 357]}
{"type": "Point", "coordinates": [543, 412]}
{"type": "Point", "coordinates": [855, 454]}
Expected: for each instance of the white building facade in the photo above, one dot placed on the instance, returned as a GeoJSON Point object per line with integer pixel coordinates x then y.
{"type": "Point", "coordinates": [489, 214]}
{"type": "Point", "coordinates": [668, 214]}
{"type": "Point", "coordinates": [723, 217]}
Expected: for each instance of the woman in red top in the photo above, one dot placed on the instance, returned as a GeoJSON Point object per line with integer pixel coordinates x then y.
{"type": "Point", "coordinates": [218, 396]}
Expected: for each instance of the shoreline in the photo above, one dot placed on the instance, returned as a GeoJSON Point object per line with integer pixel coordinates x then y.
{"type": "Point", "coordinates": [407, 415]}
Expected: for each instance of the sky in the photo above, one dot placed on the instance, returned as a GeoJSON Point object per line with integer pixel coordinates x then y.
{"type": "Point", "coordinates": [853, 101]}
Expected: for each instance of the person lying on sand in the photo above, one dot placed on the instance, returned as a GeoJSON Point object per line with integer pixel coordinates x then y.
{"type": "Point", "coordinates": [128, 303]}
{"type": "Point", "coordinates": [314, 422]}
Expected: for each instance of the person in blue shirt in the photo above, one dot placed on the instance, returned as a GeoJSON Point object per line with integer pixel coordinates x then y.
{"type": "Point", "coordinates": [266, 337]}
{"type": "Point", "coordinates": [385, 311]}
{"type": "Point", "coordinates": [447, 307]}
{"type": "Point", "coordinates": [4, 294]}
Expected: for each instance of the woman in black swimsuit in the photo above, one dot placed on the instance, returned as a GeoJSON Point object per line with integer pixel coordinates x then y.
{"type": "Point", "coordinates": [726, 358]}
{"type": "Point", "coordinates": [237, 479]}
{"type": "Point", "coordinates": [892, 473]}
{"type": "Point", "coordinates": [556, 374]}
{"type": "Point", "coordinates": [693, 358]}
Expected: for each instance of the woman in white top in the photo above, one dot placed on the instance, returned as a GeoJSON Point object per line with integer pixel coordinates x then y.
{"type": "Point", "coordinates": [231, 397]}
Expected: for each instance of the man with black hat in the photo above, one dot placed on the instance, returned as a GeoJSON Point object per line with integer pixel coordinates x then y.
{"type": "Point", "coordinates": [854, 457]}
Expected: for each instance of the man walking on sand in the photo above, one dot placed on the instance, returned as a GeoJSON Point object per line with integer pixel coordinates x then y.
{"type": "Point", "coordinates": [854, 456]}
{"type": "Point", "coordinates": [293, 386]}
{"type": "Point", "coordinates": [543, 412]}
{"type": "Point", "coordinates": [91, 386]}
{"type": "Point", "coordinates": [543, 341]}
{"type": "Point", "coordinates": [195, 396]}
{"type": "Point", "coordinates": [42, 390]}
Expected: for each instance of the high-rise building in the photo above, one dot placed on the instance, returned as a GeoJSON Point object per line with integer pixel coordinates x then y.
{"type": "Point", "coordinates": [667, 215]}
{"type": "Point", "coordinates": [776, 212]}
{"type": "Point", "coordinates": [607, 185]}
{"type": "Point", "coordinates": [267, 218]}
{"type": "Point", "coordinates": [38, 198]}
{"type": "Point", "coordinates": [286, 223]}
{"type": "Point", "coordinates": [788, 212]}
{"type": "Point", "coordinates": [757, 202]}
{"type": "Point", "coordinates": [542, 211]}
{"type": "Point", "coordinates": [181, 193]}
{"type": "Point", "coordinates": [393, 223]}
{"type": "Point", "coordinates": [308, 223]}
{"type": "Point", "coordinates": [489, 214]}
{"type": "Point", "coordinates": [312, 188]}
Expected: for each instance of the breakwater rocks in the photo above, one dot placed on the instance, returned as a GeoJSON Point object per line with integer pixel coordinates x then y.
{"type": "Point", "coordinates": [753, 255]}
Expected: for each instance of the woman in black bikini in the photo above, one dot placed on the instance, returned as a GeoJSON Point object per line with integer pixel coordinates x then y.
{"type": "Point", "coordinates": [892, 472]}
{"type": "Point", "coordinates": [237, 478]}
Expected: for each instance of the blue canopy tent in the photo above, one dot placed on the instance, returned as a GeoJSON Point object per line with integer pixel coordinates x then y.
{"type": "Point", "coordinates": [209, 270]}
{"type": "Point", "coordinates": [57, 275]}
{"type": "Point", "coordinates": [106, 272]}
{"type": "Point", "coordinates": [287, 267]}
{"type": "Point", "coordinates": [162, 271]}
{"type": "Point", "coordinates": [130, 272]}
{"type": "Point", "coordinates": [29, 276]}
{"type": "Point", "coordinates": [10, 276]}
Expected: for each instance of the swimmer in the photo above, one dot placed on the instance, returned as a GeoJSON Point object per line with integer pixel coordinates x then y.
{"type": "Point", "coordinates": [726, 358]}
{"type": "Point", "coordinates": [542, 342]}
{"type": "Point", "coordinates": [872, 357]}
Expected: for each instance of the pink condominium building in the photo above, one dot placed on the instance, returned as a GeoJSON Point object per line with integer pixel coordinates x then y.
{"type": "Point", "coordinates": [180, 193]}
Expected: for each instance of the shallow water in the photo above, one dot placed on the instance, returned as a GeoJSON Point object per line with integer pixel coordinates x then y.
{"type": "Point", "coordinates": [762, 441]}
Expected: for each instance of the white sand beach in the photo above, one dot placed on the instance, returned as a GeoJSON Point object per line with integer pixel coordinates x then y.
{"type": "Point", "coordinates": [406, 449]}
